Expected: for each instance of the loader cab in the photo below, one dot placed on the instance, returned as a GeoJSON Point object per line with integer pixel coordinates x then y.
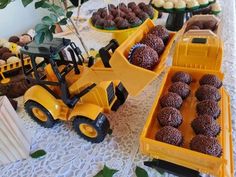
{"type": "Point", "coordinates": [50, 64]}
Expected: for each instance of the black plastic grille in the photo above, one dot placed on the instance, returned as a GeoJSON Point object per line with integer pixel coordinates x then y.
{"type": "Point", "coordinates": [110, 93]}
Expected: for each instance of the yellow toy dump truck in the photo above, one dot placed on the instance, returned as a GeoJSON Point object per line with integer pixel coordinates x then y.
{"type": "Point", "coordinates": [69, 91]}
{"type": "Point", "coordinates": [196, 54]}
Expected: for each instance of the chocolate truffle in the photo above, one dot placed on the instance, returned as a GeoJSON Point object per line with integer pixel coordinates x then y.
{"type": "Point", "coordinates": [207, 92]}
{"type": "Point", "coordinates": [154, 42]}
{"type": "Point", "coordinates": [210, 79]}
{"type": "Point", "coordinates": [192, 27]}
{"type": "Point", "coordinates": [4, 50]}
{"type": "Point", "coordinates": [111, 6]}
{"type": "Point", "coordinates": [134, 21]}
{"type": "Point", "coordinates": [206, 145]}
{"type": "Point", "coordinates": [122, 5]}
{"type": "Point", "coordinates": [161, 32]}
{"type": "Point", "coordinates": [171, 100]}
{"type": "Point", "coordinates": [209, 107]}
{"type": "Point", "coordinates": [100, 23]}
{"type": "Point", "coordinates": [196, 23]}
{"type": "Point", "coordinates": [104, 14]}
{"type": "Point", "coordinates": [109, 25]}
{"type": "Point", "coordinates": [180, 88]}
{"type": "Point", "coordinates": [182, 77]}
{"type": "Point", "coordinates": [169, 116]}
{"type": "Point", "coordinates": [149, 10]}
{"type": "Point", "coordinates": [7, 55]}
{"type": "Point", "coordinates": [141, 5]}
{"type": "Point", "coordinates": [137, 10]}
{"type": "Point", "coordinates": [144, 57]}
{"type": "Point", "coordinates": [142, 15]}
{"type": "Point", "coordinates": [124, 24]}
{"type": "Point", "coordinates": [118, 19]}
{"type": "Point", "coordinates": [94, 18]}
{"type": "Point", "coordinates": [170, 135]}
{"type": "Point", "coordinates": [20, 44]}
{"type": "Point", "coordinates": [14, 39]}
{"type": "Point", "coordinates": [205, 125]}
{"type": "Point", "coordinates": [210, 24]}
{"type": "Point", "coordinates": [108, 17]}
{"type": "Point", "coordinates": [131, 5]}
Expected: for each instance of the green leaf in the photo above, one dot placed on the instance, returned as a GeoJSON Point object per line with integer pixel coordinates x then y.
{"type": "Point", "coordinates": [53, 28]}
{"type": "Point", "coordinates": [106, 172]}
{"type": "Point", "coordinates": [49, 35]}
{"type": "Point", "coordinates": [140, 172]}
{"type": "Point", "coordinates": [26, 2]}
{"type": "Point", "coordinates": [63, 21]}
{"type": "Point", "coordinates": [57, 10]}
{"type": "Point", "coordinates": [41, 27]}
{"type": "Point", "coordinates": [47, 20]}
{"type": "Point", "coordinates": [99, 174]}
{"type": "Point", "coordinates": [39, 38]}
{"type": "Point", "coordinates": [39, 4]}
{"type": "Point", "coordinates": [69, 14]}
{"type": "Point", "coordinates": [4, 3]}
{"type": "Point", "coordinates": [38, 154]}
{"type": "Point", "coordinates": [53, 17]}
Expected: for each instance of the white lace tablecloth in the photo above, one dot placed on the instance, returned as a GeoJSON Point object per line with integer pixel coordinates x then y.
{"type": "Point", "coordinates": [69, 155]}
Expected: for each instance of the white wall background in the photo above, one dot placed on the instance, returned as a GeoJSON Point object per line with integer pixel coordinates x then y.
{"type": "Point", "coordinates": [15, 19]}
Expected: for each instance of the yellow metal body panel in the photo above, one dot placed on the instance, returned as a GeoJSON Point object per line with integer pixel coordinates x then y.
{"type": "Point", "coordinates": [220, 167]}
{"type": "Point", "coordinates": [55, 106]}
{"type": "Point", "coordinates": [85, 109]}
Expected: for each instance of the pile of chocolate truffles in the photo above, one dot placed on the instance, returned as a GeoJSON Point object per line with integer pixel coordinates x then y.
{"type": "Point", "coordinates": [202, 25]}
{"type": "Point", "coordinates": [169, 117]}
{"type": "Point", "coordinates": [122, 16]}
{"type": "Point", "coordinates": [9, 50]}
{"type": "Point", "coordinates": [147, 52]}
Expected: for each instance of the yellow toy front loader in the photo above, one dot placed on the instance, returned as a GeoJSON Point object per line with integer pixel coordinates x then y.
{"type": "Point", "coordinates": [69, 91]}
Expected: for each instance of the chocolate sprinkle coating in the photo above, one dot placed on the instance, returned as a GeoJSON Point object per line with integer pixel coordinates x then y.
{"type": "Point", "coordinates": [154, 42]}
{"type": "Point", "coordinates": [7, 55]}
{"type": "Point", "coordinates": [170, 135]}
{"type": "Point", "coordinates": [161, 32]}
{"type": "Point", "coordinates": [141, 5]}
{"type": "Point", "coordinates": [181, 89]}
{"type": "Point", "coordinates": [109, 24]}
{"type": "Point", "coordinates": [4, 50]}
{"type": "Point", "coordinates": [142, 15]}
{"type": "Point", "coordinates": [14, 39]}
{"type": "Point", "coordinates": [122, 24]}
{"type": "Point", "coordinates": [206, 125]}
{"type": "Point", "coordinates": [182, 77]}
{"type": "Point", "coordinates": [192, 27]}
{"type": "Point", "coordinates": [210, 79]}
{"type": "Point", "coordinates": [207, 92]}
{"type": "Point", "coordinates": [149, 10]}
{"type": "Point", "coordinates": [145, 57]}
{"type": "Point", "coordinates": [170, 116]}
{"type": "Point", "coordinates": [197, 23]}
{"type": "Point", "coordinates": [210, 24]}
{"type": "Point", "coordinates": [171, 100]}
{"type": "Point", "coordinates": [100, 23]}
{"type": "Point", "coordinates": [209, 107]}
{"type": "Point", "coordinates": [133, 20]}
{"type": "Point", "coordinates": [131, 5]}
{"type": "Point", "coordinates": [206, 145]}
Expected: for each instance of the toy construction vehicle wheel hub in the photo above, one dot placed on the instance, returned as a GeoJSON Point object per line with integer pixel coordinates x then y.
{"type": "Point", "coordinates": [39, 114]}
{"type": "Point", "coordinates": [88, 130]}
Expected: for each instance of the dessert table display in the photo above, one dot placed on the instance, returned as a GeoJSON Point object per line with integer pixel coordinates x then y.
{"type": "Point", "coordinates": [69, 155]}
